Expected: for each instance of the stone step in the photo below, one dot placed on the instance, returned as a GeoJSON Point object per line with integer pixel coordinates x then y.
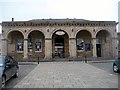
{"type": "Point", "coordinates": [63, 59]}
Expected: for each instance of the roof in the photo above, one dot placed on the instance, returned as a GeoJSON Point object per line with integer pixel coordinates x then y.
{"type": "Point", "coordinates": [57, 20]}
{"type": "Point", "coordinates": [67, 21]}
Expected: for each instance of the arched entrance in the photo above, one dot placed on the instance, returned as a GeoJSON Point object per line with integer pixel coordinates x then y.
{"type": "Point", "coordinates": [15, 44]}
{"type": "Point", "coordinates": [103, 44]}
{"type": "Point", "coordinates": [36, 44]}
{"type": "Point", "coordinates": [84, 44]}
{"type": "Point", "coordinates": [60, 44]}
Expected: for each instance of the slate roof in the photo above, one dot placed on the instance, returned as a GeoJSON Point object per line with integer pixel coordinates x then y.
{"type": "Point", "coordinates": [58, 20]}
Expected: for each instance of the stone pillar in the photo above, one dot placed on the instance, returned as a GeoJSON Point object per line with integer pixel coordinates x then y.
{"type": "Point", "coordinates": [114, 47]}
{"type": "Point", "coordinates": [25, 49]}
{"type": "Point", "coordinates": [94, 47]}
{"type": "Point", "coordinates": [72, 47]}
{"type": "Point", "coordinates": [4, 47]}
{"type": "Point", "coordinates": [48, 48]}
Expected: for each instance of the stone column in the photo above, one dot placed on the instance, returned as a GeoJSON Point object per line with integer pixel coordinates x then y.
{"type": "Point", "coordinates": [94, 47]}
{"type": "Point", "coordinates": [114, 47]}
{"type": "Point", "coordinates": [48, 48]}
{"type": "Point", "coordinates": [72, 47]}
{"type": "Point", "coordinates": [4, 47]}
{"type": "Point", "coordinates": [25, 48]}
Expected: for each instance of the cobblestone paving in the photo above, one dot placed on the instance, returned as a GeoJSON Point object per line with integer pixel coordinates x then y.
{"type": "Point", "coordinates": [68, 75]}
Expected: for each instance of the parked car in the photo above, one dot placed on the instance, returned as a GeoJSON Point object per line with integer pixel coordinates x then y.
{"type": "Point", "coordinates": [8, 68]}
{"type": "Point", "coordinates": [116, 65]}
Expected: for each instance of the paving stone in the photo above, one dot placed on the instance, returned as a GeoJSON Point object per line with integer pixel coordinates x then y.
{"type": "Point", "coordinates": [68, 75]}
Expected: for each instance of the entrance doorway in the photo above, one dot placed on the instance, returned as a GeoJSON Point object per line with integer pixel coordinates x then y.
{"type": "Point", "coordinates": [59, 47]}
{"type": "Point", "coordinates": [98, 47]}
{"type": "Point", "coordinates": [60, 44]}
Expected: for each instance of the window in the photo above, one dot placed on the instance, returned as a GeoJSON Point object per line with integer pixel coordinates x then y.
{"type": "Point", "coordinates": [20, 45]}
{"type": "Point", "coordinates": [80, 44]}
{"type": "Point", "coordinates": [88, 46]}
{"type": "Point", "coordinates": [98, 41]}
{"type": "Point", "coordinates": [8, 61]}
{"type": "Point", "coordinates": [29, 46]}
{"type": "Point", "coordinates": [38, 44]}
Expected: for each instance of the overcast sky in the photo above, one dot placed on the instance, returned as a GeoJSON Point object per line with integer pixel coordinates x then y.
{"type": "Point", "coordinates": [23, 10]}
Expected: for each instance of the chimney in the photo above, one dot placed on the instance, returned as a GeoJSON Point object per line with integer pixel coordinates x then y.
{"type": "Point", "coordinates": [12, 19]}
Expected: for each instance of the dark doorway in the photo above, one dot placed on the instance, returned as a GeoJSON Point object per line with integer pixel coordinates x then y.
{"type": "Point", "coordinates": [98, 47]}
{"type": "Point", "coordinates": [59, 47]}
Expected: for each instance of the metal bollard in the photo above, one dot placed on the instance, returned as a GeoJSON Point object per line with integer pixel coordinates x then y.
{"type": "Point", "coordinates": [38, 60]}
{"type": "Point", "coordinates": [85, 59]}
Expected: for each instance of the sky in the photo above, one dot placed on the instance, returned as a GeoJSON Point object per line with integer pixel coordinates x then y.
{"type": "Point", "coordinates": [23, 10]}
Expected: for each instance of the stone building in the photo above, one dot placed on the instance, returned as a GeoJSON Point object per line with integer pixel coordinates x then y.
{"type": "Point", "coordinates": [59, 38]}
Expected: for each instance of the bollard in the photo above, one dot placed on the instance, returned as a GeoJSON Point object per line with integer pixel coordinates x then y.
{"type": "Point", "coordinates": [38, 60]}
{"type": "Point", "coordinates": [85, 59]}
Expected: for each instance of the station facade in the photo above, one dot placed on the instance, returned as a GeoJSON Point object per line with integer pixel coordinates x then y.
{"type": "Point", "coordinates": [59, 38]}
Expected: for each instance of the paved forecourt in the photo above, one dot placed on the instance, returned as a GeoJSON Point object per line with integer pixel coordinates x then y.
{"type": "Point", "coordinates": [68, 75]}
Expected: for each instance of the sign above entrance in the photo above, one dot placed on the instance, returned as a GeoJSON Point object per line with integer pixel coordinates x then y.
{"type": "Point", "coordinates": [60, 33]}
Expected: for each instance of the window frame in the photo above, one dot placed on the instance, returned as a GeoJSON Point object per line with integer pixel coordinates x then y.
{"type": "Point", "coordinates": [38, 40]}
{"type": "Point", "coordinates": [79, 42]}
{"type": "Point", "coordinates": [86, 47]}
{"type": "Point", "coordinates": [22, 46]}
